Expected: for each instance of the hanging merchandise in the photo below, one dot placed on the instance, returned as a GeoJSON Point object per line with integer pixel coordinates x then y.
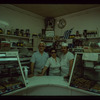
{"type": "Point", "coordinates": [67, 33]}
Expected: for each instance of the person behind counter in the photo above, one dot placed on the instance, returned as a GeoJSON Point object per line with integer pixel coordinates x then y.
{"type": "Point", "coordinates": [53, 63]}
{"type": "Point", "coordinates": [66, 61]}
{"type": "Point", "coordinates": [38, 60]}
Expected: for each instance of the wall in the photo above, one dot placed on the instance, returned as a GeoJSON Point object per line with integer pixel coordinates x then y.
{"type": "Point", "coordinates": [12, 17]}
{"type": "Point", "coordinates": [87, 19]}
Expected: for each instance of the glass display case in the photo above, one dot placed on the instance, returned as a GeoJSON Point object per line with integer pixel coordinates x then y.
{"type": "Point", "coordinates": [11, 73]}
{"type": "Point", "coordinates": [86, 72]}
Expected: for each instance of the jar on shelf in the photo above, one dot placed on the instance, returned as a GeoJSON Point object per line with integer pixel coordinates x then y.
{"type": "Point", "coordinates": [85, 33]}
{"type": "Point", "coordinates": [20, 44]}
{"type": "Point", "coordinates": [27, 32]}
{"type": "Point", "coordinates": [1, 31]}
{"type": "Point", "coordinates": [21, 32]}
{"type": "Point", "coordinates": [8, 32]}
{"type": "Point", "coordinates": [77, 33]}
{"type": "Point", "coordinates": [16, 32]}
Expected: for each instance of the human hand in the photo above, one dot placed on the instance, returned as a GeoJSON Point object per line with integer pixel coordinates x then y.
{"type": "Point", "coordinates": [39, 72]}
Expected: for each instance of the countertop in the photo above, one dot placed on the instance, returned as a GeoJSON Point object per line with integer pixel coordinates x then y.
{"type": "Point", "coordinates": [49, 80]}
{"type": "Point", "coordinates": [46, 80]}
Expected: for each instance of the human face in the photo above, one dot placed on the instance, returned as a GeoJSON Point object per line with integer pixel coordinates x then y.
{"type": "Point", "coordinates": [41, 47]}
{"type": "Point", "coordinates": [64, 49]}
{"type": "Point", "coordinates": [53, 53]}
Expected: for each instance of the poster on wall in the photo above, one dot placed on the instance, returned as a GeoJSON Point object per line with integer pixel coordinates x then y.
{"type": "Point", "coordinates": [49, 33]}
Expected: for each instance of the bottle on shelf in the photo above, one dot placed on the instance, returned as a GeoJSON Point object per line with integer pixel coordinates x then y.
{"type": "Point", "coordinates": [8, 32]}
{"type": "Point", "coordinates": [85, 33]}
{"type": "Point", "coordinates": [21, 32]}
{"type": "Point", "coordinates": [27, 32]}
{"type": "Point", "coordinates": [1, 31]}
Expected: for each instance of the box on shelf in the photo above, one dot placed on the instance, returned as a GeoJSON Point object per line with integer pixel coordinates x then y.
{"type": "Point", "coordinates": [87, 49]}
{"type": "Point", "coordinates": [4, 46]}
{"type": "Point", "coordinates": [96, 50]}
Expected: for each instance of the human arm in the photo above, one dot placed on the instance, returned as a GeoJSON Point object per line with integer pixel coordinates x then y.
{"type": "Point", "coordinates": [32, 60]}
{"type": "Point", "coordinates": [45, 67]}
{"type": "Point", "coordinates": [43, 71]}
{"type": "Point", "coordinates": [70, 60]}
{"type": "Point", "coordinates": [70, 68]}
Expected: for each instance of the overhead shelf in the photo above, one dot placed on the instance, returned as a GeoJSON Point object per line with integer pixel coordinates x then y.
{"type": "Point", "coordinates": [87, 38]}
{"type": "Point", "coordinates": [14, 36]}
{"type": "Point", "coordinates": [21, 47]}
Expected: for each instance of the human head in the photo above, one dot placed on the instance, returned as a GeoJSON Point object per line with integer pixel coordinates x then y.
{"type": "Point", "coordinates": [53, 52]}
{"type": "Point", "coordinates": [41, 46]}
{"type": "Point", "coordinates": [64, 47]}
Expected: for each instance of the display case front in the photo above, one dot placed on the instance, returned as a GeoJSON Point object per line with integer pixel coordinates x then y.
{"type": "Point", "coordinates": [86, 72]}
{"type": "Point", "coordinates": [11, 73]}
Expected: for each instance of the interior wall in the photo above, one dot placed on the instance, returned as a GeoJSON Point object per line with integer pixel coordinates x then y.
{"type": "Point", "coordinates": [87, 19]}
{"type": "Point", "coordinates": [12, 17]}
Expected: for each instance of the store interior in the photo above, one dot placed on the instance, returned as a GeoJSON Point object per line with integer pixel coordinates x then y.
{"type": "Point", "coordinates": [24, 26]}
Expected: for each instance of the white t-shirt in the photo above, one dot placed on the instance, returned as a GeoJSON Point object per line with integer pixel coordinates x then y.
{"type": "Point", "coordinates": [54, 65]}
{"type": "Point", "coordinates": [65, 63]}
{"type": "Point", "coordinates": [39, 60]}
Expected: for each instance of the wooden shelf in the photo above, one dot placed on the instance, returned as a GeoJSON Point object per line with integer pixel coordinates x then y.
{"type": "Point", "coordinates": [21, 47]}
{"type": "Point", "coordinates": [87, 38]}
{"type": "Point", "coordinates": [14, 36]}
{"type": "Point", "coordinates": [47, 40]}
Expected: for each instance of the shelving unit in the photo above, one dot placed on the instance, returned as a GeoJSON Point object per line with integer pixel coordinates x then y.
{"type": "Point", "coordinates": [14, 37]}
{"type": "Point", "coordinates": [25, 51]}
{"type": "Point", "coordinates": [11, 73]}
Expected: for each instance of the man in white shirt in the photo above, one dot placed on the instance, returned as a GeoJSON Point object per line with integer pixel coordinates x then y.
{"type": "Point", "coordinates": [38, 60]}
{"type": "Point", "coordinates": [66, 60]}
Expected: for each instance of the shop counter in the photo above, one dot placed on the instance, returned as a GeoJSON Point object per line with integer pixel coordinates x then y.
{"type": "Point", "coordinates": [49, 86]}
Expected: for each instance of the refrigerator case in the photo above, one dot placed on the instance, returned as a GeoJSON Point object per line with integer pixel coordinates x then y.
{"type": "Point", "coordinates": [85, 78]}
{"type": "Point", "coordinates": [11, 73]}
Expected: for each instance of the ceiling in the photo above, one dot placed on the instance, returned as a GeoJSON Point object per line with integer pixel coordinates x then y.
{"type": "Point", "coordinates": [55, 10]}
